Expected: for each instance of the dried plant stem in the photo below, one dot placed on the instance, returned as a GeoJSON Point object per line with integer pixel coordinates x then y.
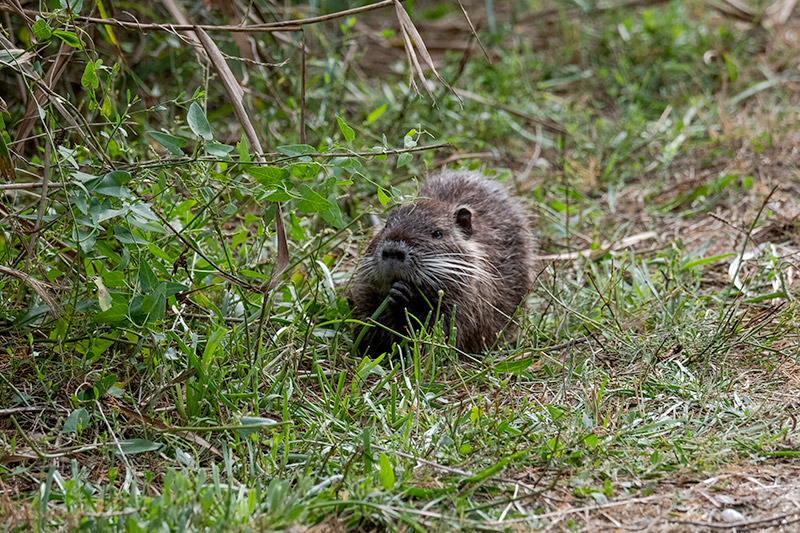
{"type": "Point", "coordinates": [303, 90]}
{"type": "Point", "coordinates": [283, 25]}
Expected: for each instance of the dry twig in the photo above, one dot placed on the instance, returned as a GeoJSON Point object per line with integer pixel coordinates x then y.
{"type": "Point", "coordinates": [412, 39]}
{"type": "Point", "coordinates": [37, 286]}
{"type": "Point", "coordinates": [269, 27]}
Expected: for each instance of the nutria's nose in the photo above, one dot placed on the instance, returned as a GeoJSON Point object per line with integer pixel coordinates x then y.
{"type": "Point", "coordinates": [394, 253]}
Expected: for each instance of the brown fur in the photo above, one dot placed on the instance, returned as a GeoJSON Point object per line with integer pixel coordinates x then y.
{"type": "Point", "coordinates": [464, 236]}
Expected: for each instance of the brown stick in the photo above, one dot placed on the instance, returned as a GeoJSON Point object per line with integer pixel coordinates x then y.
{"type": "Point", "coordinates": [545, 122]}
{"type": "Point", "coordinates": [278, 158]}
{"type": "Point", "coordinates": [474, 33]}
{"type": "Point", "coordinates": [33, 185]}
{"type": "Point", "coordinates": [269, 27]}
{"type": "Point", "coordinates": [554, 12]}
{"type": "Point", "coordinates": [40, 95]}
{"type": "Point", "coordinates": [42, 200]}
{"type": "Point", "coordinates": [303, 90]}
{"type": "Point", "coordinates": [235, 94]}
{"type": "Point", "coordinates": [178, 14]}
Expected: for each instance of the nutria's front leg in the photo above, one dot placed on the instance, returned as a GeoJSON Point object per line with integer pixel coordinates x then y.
{"type": "Point", "coordinates": [377, 339]}
{"type": "Point", "coordinates": [400, 294]}
{"type": "Point", "coordinates": [402, 297]}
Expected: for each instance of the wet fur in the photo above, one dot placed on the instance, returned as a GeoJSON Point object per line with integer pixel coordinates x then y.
{"type": "Point", "coordinates": [483, 262]}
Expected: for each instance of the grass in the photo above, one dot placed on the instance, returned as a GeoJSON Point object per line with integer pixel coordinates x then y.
{"type": "Point", "coordinates": [652, 383]}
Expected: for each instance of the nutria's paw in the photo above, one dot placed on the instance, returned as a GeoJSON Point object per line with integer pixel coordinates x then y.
{"type": "Point", "coordinates": [400, 293]}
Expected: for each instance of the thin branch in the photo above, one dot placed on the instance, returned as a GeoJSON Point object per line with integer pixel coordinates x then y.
{"type": "Point", "coordinates": [573, 510]}
{"type": "Point", "coordinates": [278, 158]}
{"type": "Point", "coordinates": [39, 287]}
{"type": "Point", "coordinates": [211, 159]}
{"type": "Point", "coordinates": [34, 185]}
{"type": "Point", "coordinates": [269, 27]}
{"type": "Point", "coordinates": [559, 13]}
{"type": "Point", "coordinates": [784, 519]}
{"type": "Point", "coordinates": [475, 33]}
{"type": "Point", "coordinates": [42, 200]}
{"type": "Point", "coordinates": [25, 409]}
{"type": "Point", "coordinates": [303, 90]}
{"type": "Point", "coordinates": [545, 122]}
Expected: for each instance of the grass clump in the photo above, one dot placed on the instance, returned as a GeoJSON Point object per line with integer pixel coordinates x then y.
{"type": "Point", "coordinates": [160, 370]}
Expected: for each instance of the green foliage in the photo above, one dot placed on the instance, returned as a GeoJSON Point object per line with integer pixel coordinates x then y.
{"type": "Point", "coordinates": [153, 382]}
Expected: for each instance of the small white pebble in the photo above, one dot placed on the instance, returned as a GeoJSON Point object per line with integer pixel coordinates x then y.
{"type": "Point", "coordinates": [732, 515]}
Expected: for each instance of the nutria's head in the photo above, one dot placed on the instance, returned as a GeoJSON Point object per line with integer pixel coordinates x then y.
{"type": "Point", "coordinates": [427, 243]}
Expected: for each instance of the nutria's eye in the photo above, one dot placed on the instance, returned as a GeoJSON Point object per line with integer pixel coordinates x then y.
{"type": "Point", "coordinates": [437, 234]}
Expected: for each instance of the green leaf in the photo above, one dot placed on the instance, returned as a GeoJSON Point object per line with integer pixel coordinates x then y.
{"type": "Point", "coordinates": [387, 472]}
{"type": "Point", "coordinates": [311, 201]}
{"type": "Point", "coordinates": [155, 303]}
{"type": "Point", "coordinates": [114, 279]}
{"type": "Point", "coordinates": [117, 313]}
{"type": "Point", "coordinates": [134, 446]}
{"type": "Point", "coordinates": [306, 171]}
{"type": "Point", "coordinates": [147, 278]}
{"type": "Point", "coordinates": [69, 38]}
{"type": "Point", "coordinates": [475, 414]}
{"type": "Point", "coordinates": [103, 385]}
{"type": "Point", "coordinates": [212, 345]}
{"type": "Point", "coordinates": [515, 367]}
{"type": "Point", "coordinates": [279, 195]}
{"type": "Point", "coordinates": [487, 472]}
{"type": "Point", "coordinates": [173, 287]}
{"type": "Point", "coordinates": [241, 148]}
{"type": "Point", "coordinates": [556, 413]}
{"type": "Point", "coordinates": [170, 142]}
{"type": "Point", "coordinates": [85, 239]}
{"type": "Point", "coordinates": [107, 108]}
{"type": "Point", "coordinates": [333, 215]}
{"type": "Point", "coordinates": [733, 72]}
{"type": "Point", "coordinates": [41, 30]}
{"type": "Point", "coordinates": [268, 176]}
{"type": "Point", "coordinates": [763, 297]}
{"type": "Point", "coordinates": [365, 437]}
{"type": "Point", "coordinates": [111, 184]}
{"type": "Point", "coordinates": [124, 235]}
{"type": "Point", "coordinates": [383, 198]}
{"type": "Point", "coordinates": [158, 252]}
{"type": "Point", "coordinates": [295, 150]}
{"type": "Point", "coordinates": [77, 419]}
{"type": "Point", "coordinates": [705, 261]}
{"type": "Point", "coordinates": [375, 115]}
{"type": "Point", "coordinates": [103, 297]}
{"type": "Point", "coordinates": [198, 122]}
{"type": "Point", "coordinates": [403, 159]}
{"type": "Point", "coordinates": [253, 274]}
{"type": "Point", "coordinates": [347, 131]}
{"type": "Point", "coordinates": [89, 78]}
{"type": "Point", "coordinates": [218, 149]}
{"type": "Point", "coordinates": [102, 209]}
{"type": "Point", "coordinates": [253, 424]}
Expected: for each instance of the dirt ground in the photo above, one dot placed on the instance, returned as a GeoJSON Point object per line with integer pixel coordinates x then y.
{"type": "Point", "coordinates": [739, 498]}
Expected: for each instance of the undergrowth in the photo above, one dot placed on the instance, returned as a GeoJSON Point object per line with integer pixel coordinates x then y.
{"type": "Point", "coordinates": [158, 371]}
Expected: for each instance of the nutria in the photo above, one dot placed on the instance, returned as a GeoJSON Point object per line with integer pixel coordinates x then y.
{"type": "Point", "coordinates": [464, 236]}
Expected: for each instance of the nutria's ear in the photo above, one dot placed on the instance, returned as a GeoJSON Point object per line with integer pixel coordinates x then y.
{"type": "Point", "coordinates": [464, 220]}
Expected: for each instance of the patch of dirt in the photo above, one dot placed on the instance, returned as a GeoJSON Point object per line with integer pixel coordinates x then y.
{"type": "Point", "coordinates": [739, 498]}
